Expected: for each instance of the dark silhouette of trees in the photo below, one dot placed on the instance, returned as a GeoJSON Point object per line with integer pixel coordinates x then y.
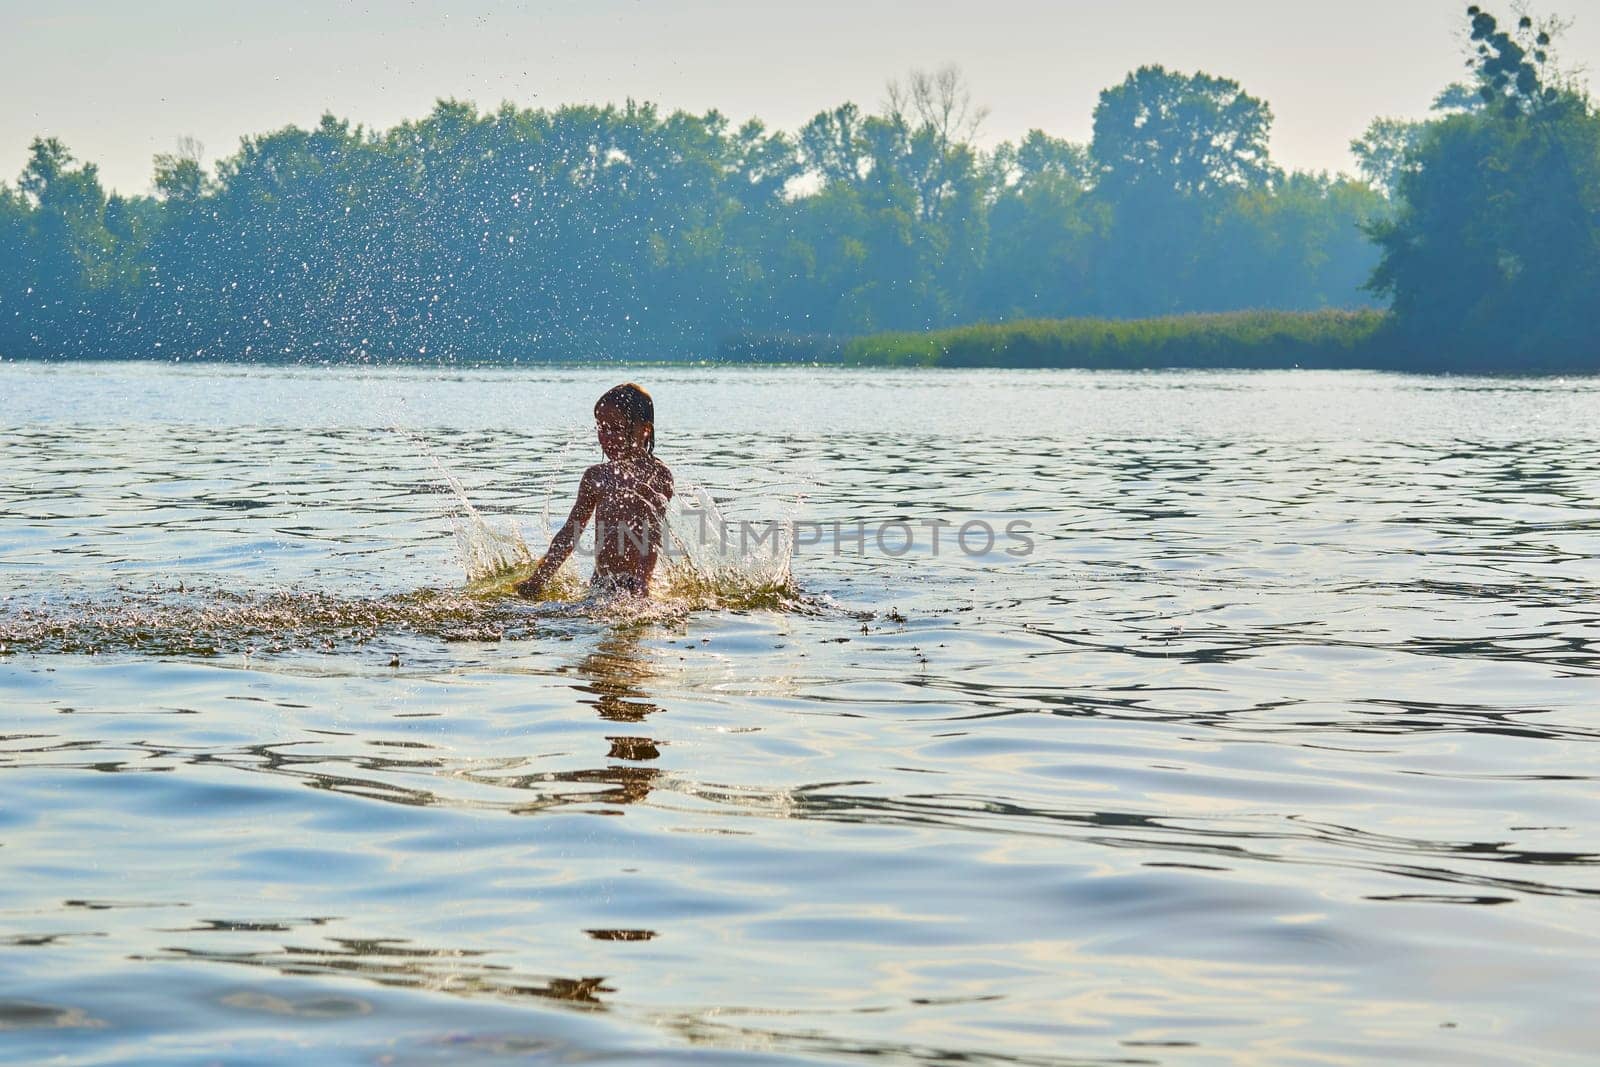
{"type": "Point", "coordinates": [620, 231]}
{"type": "Point", "coordinates": [68, 250]}
{"type": "Point", "coordinates": [1493, 253]}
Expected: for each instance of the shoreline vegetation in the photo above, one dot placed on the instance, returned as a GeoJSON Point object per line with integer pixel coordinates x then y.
{"type": "Point", "coordinates": [1468, 241]}
{"type": "Point", "coordinates": [1247, 340]}
{"type": "Point", "coordinates": [1240, 340]}
{"type": "Point", "coordinates": [1331, 339]}
{"type": "Point", "coordinates": [1235, 340]}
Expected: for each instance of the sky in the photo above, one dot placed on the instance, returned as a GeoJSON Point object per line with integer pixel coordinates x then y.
{"type": "Point", "coordinates": [120, 81]}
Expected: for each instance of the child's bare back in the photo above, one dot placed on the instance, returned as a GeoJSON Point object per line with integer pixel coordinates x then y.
{"type": "Point", "coordinates": [629, 515]}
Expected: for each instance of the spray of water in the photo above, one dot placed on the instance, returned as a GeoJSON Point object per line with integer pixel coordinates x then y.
{"type": "Point", "coordinates": [703, 566]}
{"type": "Point", "coordinates": [708, 565]}
{"type": "Point", "coordinates": [714, 564]}
{"type": "Point", "coordinates": [203, 621]}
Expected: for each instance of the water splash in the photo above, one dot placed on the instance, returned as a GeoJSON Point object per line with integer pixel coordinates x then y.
{"type": "Point", "coordinates": [708, 564]}
{"type": "Point", "coordinates": [205, 621]}
{"type": "Point", "coordinates": [486, 549]}
{"type": "Point", "coordinates": [714, 563]}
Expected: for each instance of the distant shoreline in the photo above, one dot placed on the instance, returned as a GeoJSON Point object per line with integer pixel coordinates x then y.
{"type": "Point", "coordinates": [465, 366]}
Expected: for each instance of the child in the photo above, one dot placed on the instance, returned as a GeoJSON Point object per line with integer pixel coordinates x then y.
{"type": "Point", "coordinates": [627, 494]}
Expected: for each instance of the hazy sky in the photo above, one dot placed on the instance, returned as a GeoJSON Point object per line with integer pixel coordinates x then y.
{"type": "Point", "coordinates": [120, 81]}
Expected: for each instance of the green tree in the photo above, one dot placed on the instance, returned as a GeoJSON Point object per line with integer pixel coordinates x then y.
{"type": "Point", "coordinates": [894, 236]}
{"type": "Point", "coordinates": [1385, 150]}
{"type": "Point", "coordinates": [1298, 245]}
{"type": "Point", "coordinates": [1171, 151]}
{"type": "Point", "coordinates": [832, 148]}
{"type": "Point", "coordinates": [1186, 134]}
{"type": "Point", "coordinates": [1043, 228]}
{"type": "Point", "coordinates": [70, 286]}
{"type": "Point", "coordinates": [1495, 249]}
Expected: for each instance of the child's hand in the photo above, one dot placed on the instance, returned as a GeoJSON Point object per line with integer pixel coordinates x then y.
{"type": "Point", "coordinates": [530, 587]}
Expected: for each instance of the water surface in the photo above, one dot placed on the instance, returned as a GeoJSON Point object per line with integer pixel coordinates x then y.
{"type": "Point", "coordinates": [1279, 748]}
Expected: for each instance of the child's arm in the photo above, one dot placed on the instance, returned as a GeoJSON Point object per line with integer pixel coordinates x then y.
{"type": "Point", "coordinates": [562, 543]}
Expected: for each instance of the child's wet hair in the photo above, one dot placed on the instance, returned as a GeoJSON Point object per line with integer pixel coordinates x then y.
{"type": "Point", "coordinates": [632, 403]}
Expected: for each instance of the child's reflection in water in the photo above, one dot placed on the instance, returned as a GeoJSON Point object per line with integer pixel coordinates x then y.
{"type": "Point", "coordinates": [612, 677]}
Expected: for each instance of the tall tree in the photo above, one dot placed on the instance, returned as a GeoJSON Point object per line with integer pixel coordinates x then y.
{"type": "Point", "coordinates": [1495, 248]}
{"type": "Point", "coordinates": [1189, 134]}
{"type": "Point", "coordinates": [70, 290]}
{"type": "Point", "coordinates": [1171, 150]}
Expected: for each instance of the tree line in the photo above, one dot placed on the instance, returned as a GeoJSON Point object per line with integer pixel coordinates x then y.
{"type": "Point", "coordinates": [589, 232]}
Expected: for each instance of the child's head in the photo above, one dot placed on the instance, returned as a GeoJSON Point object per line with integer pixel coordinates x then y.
{"type": "Point", "coordinates": [625, 418]}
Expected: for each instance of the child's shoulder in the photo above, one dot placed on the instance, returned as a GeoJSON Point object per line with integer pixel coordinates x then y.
{"type": "Point", "coordinates": [661, 473]}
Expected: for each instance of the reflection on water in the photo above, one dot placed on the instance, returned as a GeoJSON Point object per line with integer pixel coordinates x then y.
{"type": "Point", "coordinates": [621, 935]}
{"type": "Point", "coordinates": [25, 1015]}
{"type": "Point", "coordinates": [613, 678]}
{"type": "Point", "coordinates": [1278, 750]}
{"type": "Point", "coordinates": [393, 963]}
{"type": "Point", "coordinates": [610, 681]}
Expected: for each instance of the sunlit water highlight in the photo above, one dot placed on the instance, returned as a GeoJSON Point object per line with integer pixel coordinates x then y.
{"type": "Point", "coordinates": [1279, 749]}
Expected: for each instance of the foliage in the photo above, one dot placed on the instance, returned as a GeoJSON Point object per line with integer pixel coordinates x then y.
{"type": "Point", "coordinates": [624, 232]}
{"type": "Point", "coordinates": [1193, 216]}
{"type": "Point", "coordinates": [1385, 150]}
{"type": "Point", "coordinates": [1236, 340]}
{"type": "Point", "coordinates": [1191, 135]}
{"type": "Point", "coordinates": [1494, 250]}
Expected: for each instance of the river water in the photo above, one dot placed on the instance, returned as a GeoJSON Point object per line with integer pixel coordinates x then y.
{"type": "Point", "coordinates": [1278, 746]}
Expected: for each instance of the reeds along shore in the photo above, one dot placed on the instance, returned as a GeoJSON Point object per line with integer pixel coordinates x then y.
{"type": "Point", "coordinates": [1245, 340]}
{"type": "Point", "coordinates": [1242, 340]}
{"type": "Point", "coordinates": [1258, 339]}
